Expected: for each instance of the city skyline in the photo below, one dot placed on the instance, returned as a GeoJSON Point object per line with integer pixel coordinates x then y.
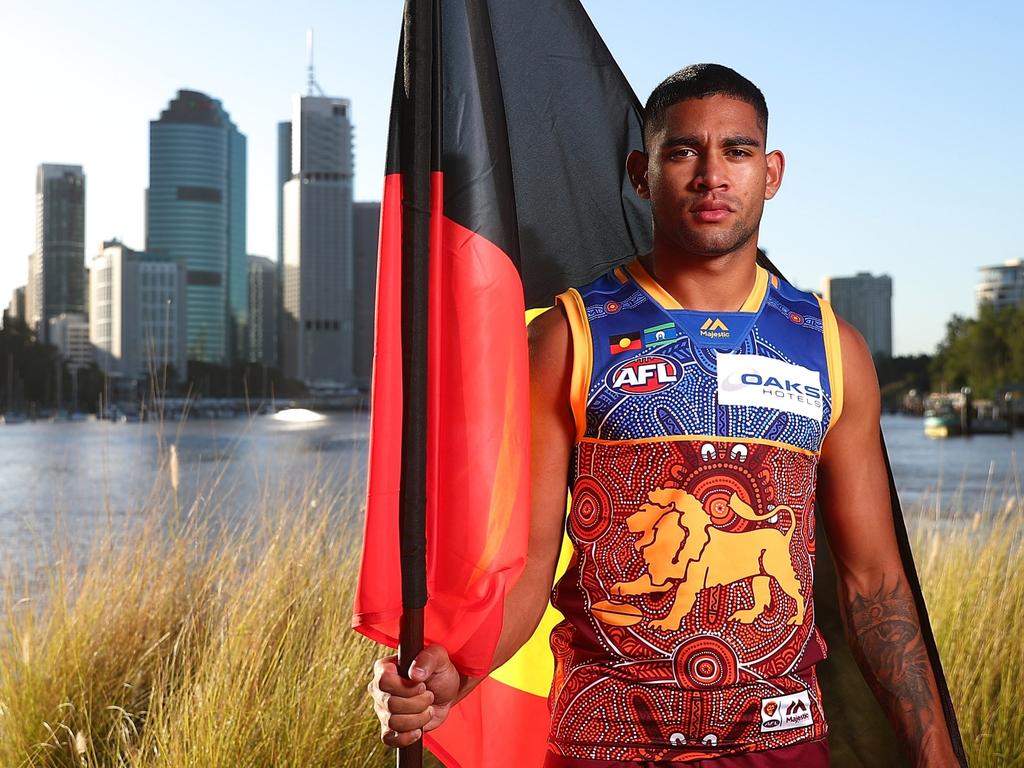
{"type": "Point", "coordinates": [872, 106]}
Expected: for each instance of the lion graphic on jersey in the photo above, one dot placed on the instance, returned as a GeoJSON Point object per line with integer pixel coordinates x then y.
{"type": "Point", "coordinates": [682, 549]}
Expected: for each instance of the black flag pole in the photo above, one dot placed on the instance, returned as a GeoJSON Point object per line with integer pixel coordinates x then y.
{"type": "Point", "coordinates": [419, 148]}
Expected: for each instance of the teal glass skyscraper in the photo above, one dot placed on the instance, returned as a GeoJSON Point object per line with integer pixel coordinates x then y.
{"type": "Point", "coordinates": [195, 215]}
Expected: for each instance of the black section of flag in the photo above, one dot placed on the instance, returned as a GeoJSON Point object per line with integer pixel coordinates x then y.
{"type": "Point", "coordinates": [538, 121]}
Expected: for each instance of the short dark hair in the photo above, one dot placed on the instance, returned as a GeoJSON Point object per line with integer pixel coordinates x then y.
{"type": "Point", "coordinates": [699, 81]}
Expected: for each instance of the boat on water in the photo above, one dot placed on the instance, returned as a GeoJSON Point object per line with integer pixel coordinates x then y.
{"type": "Point", "coordinates": [956, 415]}
{"type": "Point", "coordinates": [943, 422]}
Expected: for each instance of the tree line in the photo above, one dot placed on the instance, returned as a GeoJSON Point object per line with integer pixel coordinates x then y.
{"type": "Point", "coordinates": [985, 353]}
{"type": "Point", "coordinates": [35, 379]}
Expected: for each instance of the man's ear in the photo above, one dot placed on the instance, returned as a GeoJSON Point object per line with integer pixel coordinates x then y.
{"type": "Point", "coordinates": [776, 167]}
{"type": "Point", "coordinates": [636, 167]}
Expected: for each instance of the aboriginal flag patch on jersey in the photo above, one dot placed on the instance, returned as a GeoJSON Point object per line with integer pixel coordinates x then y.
{"type": "Point", "coordinates": [625, 342]}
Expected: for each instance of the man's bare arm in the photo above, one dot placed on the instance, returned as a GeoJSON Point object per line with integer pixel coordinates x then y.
{"type": "Point", "coordinates": [879, 614]}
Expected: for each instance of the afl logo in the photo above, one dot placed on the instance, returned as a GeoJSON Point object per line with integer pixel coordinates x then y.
{"type": "Point", "coordinates": [644, 375]}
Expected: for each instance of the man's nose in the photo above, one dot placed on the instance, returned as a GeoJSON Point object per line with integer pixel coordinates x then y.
{"type": "Point", "coordinates": [711, 174]}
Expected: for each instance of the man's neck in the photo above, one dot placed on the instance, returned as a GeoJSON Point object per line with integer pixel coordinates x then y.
{"type": "Point", "coordinates": [712, 284]}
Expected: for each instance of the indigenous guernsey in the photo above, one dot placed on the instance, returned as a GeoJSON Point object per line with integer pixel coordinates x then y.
{"type": "Point", "coordinates": [689, 623]}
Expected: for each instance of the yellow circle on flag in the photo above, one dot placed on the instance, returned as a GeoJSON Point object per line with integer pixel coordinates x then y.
{"type": "Point", "coordinates": [624, 343]}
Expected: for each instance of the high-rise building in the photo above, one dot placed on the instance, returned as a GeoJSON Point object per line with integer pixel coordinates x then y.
{"type": "Point", "coordinates": [137, 323]}
{"type": "Point", "coordinates": [16, 307]}
{"type": "Point", "coordinates": [263, 303]}
{"type": "Point", "coordinates": [865, 302]}
{"type": "Point", "coordinates": [366, 231]}
{"type": "Point", "coordinates": [195, 216]}
{"type": "Point", "coordinates": [316, 241]}
{"type": "Point", "coordinates": [56, 279]}
{"type": "Point", "coordinates": [69, 333]}
{"type": "Point", "coordinates": [1001, 285]}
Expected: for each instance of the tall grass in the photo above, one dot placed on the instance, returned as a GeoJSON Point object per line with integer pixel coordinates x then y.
{"type": "Point", "coordinates": [183, 643]}
{"type": "Point", "coordinates": [972, 575]}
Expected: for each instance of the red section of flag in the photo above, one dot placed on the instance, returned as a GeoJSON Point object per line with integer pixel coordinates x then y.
{"type": "Point", "coordinates": [494, 727]}
{"type": "Point", "coordinates": [478, 441]}
{"type": "Point", "coordinates": [376, 609]}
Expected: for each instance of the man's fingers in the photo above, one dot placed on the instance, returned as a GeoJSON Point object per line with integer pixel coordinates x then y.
{"type": "Point", "coordinates": [393, 739]}
{"type": "Point", "coordinates": [432, 659]}
{"type": "Point", "coordinates": [387, 679]}
{"type": "Point", "coordinates": [396, 705]}
{"type": "Point", "coordinates": [406, 708]}
{"type": "Point", "coordinates": [408, 723]}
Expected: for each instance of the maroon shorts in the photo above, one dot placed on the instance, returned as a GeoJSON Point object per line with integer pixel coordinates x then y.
{"type": "Point", "coordinates": [809, 754]}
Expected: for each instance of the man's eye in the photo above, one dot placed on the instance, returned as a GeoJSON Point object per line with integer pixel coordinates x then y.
{"type": "Point", "coordinates": [683, 152]}
{"type": "Point", "coordinates": [736, 152]}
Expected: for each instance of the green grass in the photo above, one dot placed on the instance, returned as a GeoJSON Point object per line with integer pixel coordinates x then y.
{"type": "Point", "coordinates": [183, 644]}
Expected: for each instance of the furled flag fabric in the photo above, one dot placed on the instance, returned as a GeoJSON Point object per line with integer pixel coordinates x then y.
{"type": "Point", "coordinates": [530, 196]}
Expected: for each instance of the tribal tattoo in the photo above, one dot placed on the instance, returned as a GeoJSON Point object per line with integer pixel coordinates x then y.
{"type": "Point", "coordinates": [885, 636]}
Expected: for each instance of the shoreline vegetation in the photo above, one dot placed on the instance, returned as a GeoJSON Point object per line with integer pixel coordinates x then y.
{"type": "Point", "coordinates": [200, 637]}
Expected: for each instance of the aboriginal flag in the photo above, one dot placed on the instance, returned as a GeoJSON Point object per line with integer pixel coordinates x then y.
{"type": "Point", "coordinates": [507, 156]}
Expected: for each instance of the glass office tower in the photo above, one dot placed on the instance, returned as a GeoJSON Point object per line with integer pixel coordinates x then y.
{"type": "Point", "coordinates": [195, 215]}
{"type": "Point", "coordinates": [56, 280]}
{"type": "Point", "coordinates": [315, 237]}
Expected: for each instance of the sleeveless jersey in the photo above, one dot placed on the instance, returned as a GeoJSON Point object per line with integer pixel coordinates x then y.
{"type": "Point", "coordinates": [689, 622]}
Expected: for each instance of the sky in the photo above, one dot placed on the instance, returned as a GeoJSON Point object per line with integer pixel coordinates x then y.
{"type": "Point", "coordinates": [900, 122]}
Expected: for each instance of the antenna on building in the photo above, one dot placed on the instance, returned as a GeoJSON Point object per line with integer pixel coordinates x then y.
{"type": "Point", "coordinates": [311, 82]}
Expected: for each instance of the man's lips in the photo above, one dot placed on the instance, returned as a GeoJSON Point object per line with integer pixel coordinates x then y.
{"type": "Point", "coordinates": [711, 210]}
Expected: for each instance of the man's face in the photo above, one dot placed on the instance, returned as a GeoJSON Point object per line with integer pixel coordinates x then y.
{"type": "Point", "coordinates": [707, 175]}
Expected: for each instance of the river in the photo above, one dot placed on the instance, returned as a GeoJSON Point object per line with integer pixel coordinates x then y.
{"type": "Point", "coordinates": [79, 477]}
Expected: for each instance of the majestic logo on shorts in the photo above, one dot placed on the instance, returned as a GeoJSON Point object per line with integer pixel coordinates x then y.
{"type": "Point", "coordinates": [644, 375]}
{"type": "Point", "coordinates": [781, 713]}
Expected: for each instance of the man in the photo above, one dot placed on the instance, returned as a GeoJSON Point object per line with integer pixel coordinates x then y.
{"type": "Point", "coordinates": [693, 401]}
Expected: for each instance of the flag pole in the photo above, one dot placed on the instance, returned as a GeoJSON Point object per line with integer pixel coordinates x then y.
{"type": "Point", "coordinates": [418, 138]}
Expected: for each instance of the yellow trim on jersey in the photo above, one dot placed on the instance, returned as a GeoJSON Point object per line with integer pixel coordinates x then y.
{"type": "Point", "coordinates": [582, 356]}
{"type": "Point", "coordinates": [649, 284]}
{"type": "Point", "coordinates": [756, 297]}
{"type": "Point", "coordinates": [667, 301]}
{"type": "Point", "coordinates": [533, 314]}
{"type": "Point", "coordinates": [702, 438]}
{"type": "Point", "coordinates": [833, 358]}
{"type": "Point", "coordinates": [619, 274]}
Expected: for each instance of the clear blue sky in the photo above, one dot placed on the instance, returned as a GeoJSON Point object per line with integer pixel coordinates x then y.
{"type": "Point", "coordinates": [900, 121]}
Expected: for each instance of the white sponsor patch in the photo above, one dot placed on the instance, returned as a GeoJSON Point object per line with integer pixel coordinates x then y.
{"type": "Point", "coordinates": [781, 713]}
{"type": "Point", "coordinates": [768, 383]}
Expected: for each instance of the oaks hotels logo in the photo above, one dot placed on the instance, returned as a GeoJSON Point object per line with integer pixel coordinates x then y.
{"type": "Point", "coordinates": [644, 375]}
{"type": "Point", "coordinates": [714, 328]}
{"type": "Point", "coordinates": [767, 382]}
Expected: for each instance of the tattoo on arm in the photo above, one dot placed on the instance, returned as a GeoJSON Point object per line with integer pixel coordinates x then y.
{"type": "Point", "coordinates": [885, 636]}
